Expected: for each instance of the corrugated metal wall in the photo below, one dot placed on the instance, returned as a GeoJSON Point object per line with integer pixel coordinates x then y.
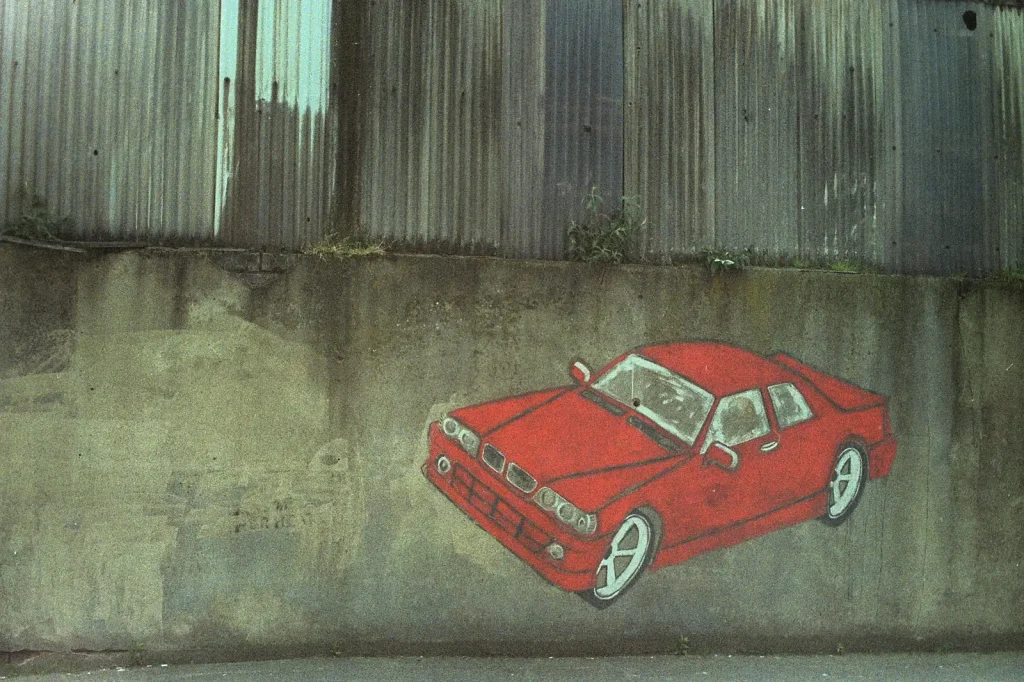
{"type": "Point", "coordinates": [860, 130]}
{"type": "Point", "coordinates": [1007, 92]}
{"type": "Point", "coordinates": [432, 133]}
{"type": "Point", "coordinates": [582, 113]}
{"type": "Point", "coordinates": [277, 140]}
{"type": "Point", "coordinates": [108, 115]}
{"type": "Point", "coordinates": [886, 134]}
{"type": "Point", "coordinates": [848, 128]}
{"type": "Point", "coordinates": [756, 158]}
{"type": "Point", "coordinates": [670, 121]}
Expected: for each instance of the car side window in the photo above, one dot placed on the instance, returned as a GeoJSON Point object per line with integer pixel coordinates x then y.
{"type": "Point", "coordinates": [739, 418]}
{"type": "Point", "coordinates": [790, 406]}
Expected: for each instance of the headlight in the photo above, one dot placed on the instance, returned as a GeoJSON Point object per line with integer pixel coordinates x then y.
{"type": "Point", "coordinates": [566, 512]}
{"type": "Point", "coordinates": [469, 441]}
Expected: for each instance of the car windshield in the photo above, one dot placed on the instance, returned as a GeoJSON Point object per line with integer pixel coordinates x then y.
{"type": "Point", "coordinates": [670, 401]}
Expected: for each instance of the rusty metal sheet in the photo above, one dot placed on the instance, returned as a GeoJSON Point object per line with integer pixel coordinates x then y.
{"type": "Point", "coordinates": [849, 206]}
{"type": "Point", "coordinates": [670, 122]}
{"type": "Point", "coordinates": [947, 133]}
{"type": "Point", "coordinates": [432, 133]}
{"type": "Point", "coordinates": [583, 96]}
{"type": "Point", "coordinates": [276, 143]}
{"type": "Point", "coordinates": [109, 115]}
{"type": "Point", "coordinates": [522, 118]}
{"type": "Point", "coordinates": [756, 165]}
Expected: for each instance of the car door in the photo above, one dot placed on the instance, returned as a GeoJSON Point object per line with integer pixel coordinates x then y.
{"type": "Point", "coordinates": [738, 475]}
{"type": "Point", "coordinates": [805, 451]}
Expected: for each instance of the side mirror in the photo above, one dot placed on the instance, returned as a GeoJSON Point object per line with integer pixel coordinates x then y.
{"type": "Point", "coordinates": [722, 456]}
{"type": "Point", "coordinates": [580, 372]}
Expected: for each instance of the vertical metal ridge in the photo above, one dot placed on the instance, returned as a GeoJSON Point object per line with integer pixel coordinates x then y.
{"type": "Point", "coordinates": [273, 168]}
{"type": "Point", "coordinates": [430, 144]}
{"type": "Point", "coordinates": [670, 122]}
{"type": "Point", "coordinates": [583, 110]}
{"type": "Point", "coordinates": [522, 155]}
{"type": "Point", "coordinates": [755, 123]}
{"type": "Point", "coordinates": [104, 116]}
{"type": "Point", "coordinates": [1007, 250]}
{"type": "Point", "coordinates": [847, 131]}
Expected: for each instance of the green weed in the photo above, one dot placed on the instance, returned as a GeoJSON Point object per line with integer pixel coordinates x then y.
{"type": "Point", "coordinates": [845, 266]}
{"type": "Point", "coordinates": [38, 224]}
{"type": "Point", "coordinates": [604, 236]}
{"type": "Point", "coordinates": [722, 260]}
{"type": "Point", "coordinates": [346, 247]}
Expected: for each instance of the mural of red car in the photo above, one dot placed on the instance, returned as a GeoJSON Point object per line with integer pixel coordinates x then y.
{"type": "Point", "coordinates": [669, 451]}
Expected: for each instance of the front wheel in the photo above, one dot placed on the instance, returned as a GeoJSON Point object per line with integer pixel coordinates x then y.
{"type": "Point", "coordinates": [630, 552]}
{"type": "Point", "coordinates": [849, 475]}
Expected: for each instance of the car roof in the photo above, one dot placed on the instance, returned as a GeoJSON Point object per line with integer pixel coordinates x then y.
{"type": "Point", "coordinates": [717, 367]}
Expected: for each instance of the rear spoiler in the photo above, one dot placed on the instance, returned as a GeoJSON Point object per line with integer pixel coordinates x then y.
{"type": "Point", "coordinates": [842, 394]}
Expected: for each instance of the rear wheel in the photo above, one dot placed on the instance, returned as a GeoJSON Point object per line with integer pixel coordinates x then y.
{"type": "Point", "coordinates": [849, 475]}
{"type": "Point", "coordinates": [630, 552]}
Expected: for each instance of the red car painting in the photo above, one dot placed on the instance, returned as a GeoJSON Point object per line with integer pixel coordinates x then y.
{"type": "Point", "coordinates": [669, 451]}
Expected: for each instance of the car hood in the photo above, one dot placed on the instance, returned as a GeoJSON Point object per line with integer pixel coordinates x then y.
{"type": "Point", "coordinates": [572, 437]}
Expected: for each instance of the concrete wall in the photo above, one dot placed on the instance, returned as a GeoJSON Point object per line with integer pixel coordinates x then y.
{"type": "Point", "coordinates": [194, 460]}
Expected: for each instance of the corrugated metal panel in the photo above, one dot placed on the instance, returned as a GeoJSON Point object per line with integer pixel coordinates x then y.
{"type": "Point", "coordinates": [755, 125]}
{"type": "Point", "coordinates": [432, 147]}
{"type": "Point", "coordinates": [1008, 140]}
{"type": "Point", "coordinates": [583, 95]}
{"type": "Point", "coordinates": [849, 130]}
{"type": "Point", "coordinates": [522, 117]}
{"type": "Point", "coordinates": [276, 167]}
{"type": "Point", "coordinates": [669, 121]}
{"type": "Point", "coordinates": [108, 112]}
{"type": "Point", "coordinates": [947, 137]}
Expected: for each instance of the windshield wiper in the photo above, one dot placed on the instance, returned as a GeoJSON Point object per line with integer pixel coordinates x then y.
{"type": "Point", "coordinates": [654, 434]}
{"type": "Point", "coordinates": [598, 400]}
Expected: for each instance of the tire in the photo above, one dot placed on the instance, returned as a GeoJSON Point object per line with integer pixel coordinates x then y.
{"type": "Point", "coordinates": [846, 486]}
{"type": "Point", "coordinates": [634, 545]}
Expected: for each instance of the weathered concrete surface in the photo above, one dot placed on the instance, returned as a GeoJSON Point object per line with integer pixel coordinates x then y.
{"type": "Point", "coordinates": [999, 667]}
{"type": "Point", "coordinates": [198, 461]}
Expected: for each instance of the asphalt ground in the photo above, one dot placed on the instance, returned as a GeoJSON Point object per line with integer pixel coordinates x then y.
{"type": "Point", "coordinates": [910, 667]}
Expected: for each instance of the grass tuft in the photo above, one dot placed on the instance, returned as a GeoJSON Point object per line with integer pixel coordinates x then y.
{"type": "Point", "coordinates": [845, 266]}
{"type": "Point", "coordinates": [38, 224]}
{"type": "Point", "coordinates": [346, 247]}
{"type": "Point", "coordinates": [604, 236]}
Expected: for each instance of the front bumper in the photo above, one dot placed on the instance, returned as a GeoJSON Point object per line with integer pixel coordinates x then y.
{"type": "Point", "coordinates": [515, 521]}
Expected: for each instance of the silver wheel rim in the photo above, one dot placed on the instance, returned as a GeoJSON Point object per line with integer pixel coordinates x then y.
{"type": "Point", "coordinates": [845, 485]}
{"type": "Point", "coordinates": [625, 558]}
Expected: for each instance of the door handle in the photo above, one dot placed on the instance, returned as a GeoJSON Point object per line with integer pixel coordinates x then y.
{"type": "Point", "coordinates": [769, 446]}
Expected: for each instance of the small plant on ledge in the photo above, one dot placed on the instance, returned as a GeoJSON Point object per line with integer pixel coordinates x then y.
{"type": "Point", "coordinates": [721, 260]}
{"type": "Point", "coordinates": [345, 247]}
{"type": "Point", "coordinates": [604, 237]}
{"type": "Point", "coordinates": [37, 224]}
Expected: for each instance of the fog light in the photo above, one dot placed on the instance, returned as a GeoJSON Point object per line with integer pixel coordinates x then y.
{"type": "Point", "coordinates": [444, 465]}
{"type": "Point", "coordinates": [556, 551]}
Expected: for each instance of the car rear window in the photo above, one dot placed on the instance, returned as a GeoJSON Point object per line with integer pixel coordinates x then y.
{"type": "Point", "coordinates": [790, 406]}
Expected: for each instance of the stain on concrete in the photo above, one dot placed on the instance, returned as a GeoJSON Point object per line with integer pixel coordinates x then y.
{"type": "Point", "coordinates": [212, 429]}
